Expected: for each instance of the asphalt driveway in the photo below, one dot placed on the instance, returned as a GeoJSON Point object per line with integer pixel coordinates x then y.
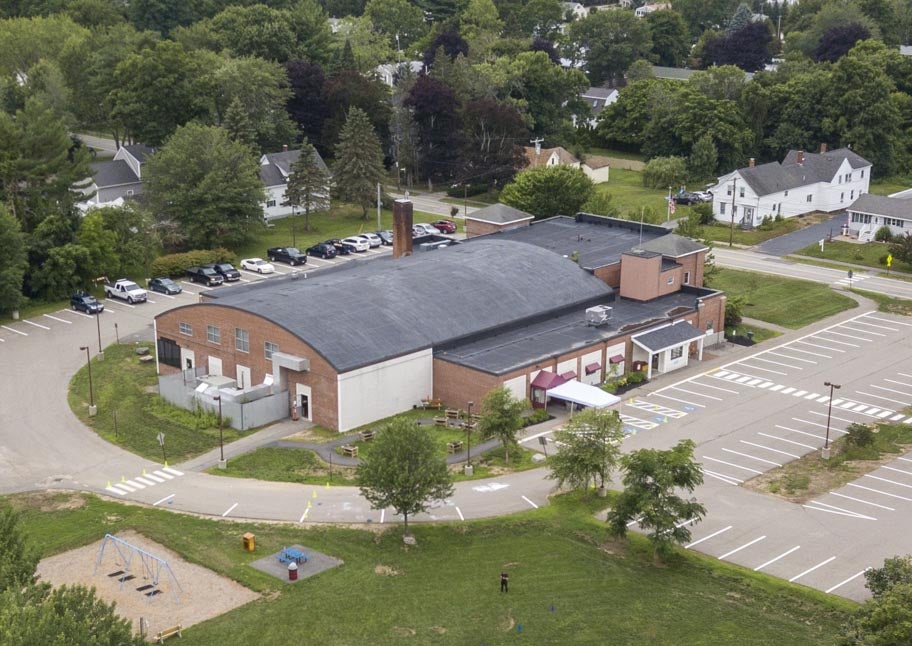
{"type": "Point", "coordinates": [792, 242]}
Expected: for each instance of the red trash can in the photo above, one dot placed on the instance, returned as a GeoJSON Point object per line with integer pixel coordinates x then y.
{"type": "Point", "coordinates": [292, 571]}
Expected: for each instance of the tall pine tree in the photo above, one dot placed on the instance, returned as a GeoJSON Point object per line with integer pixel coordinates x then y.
{"type": "Point", "coordinates": [359, 161]}
{"type": "Point", "coordinates": [307, 185]}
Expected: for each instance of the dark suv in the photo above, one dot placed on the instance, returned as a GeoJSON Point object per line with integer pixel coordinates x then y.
{"type": "Point", "coordinates": [292, 255]}
{"type": "Point", "coordinates": [323, 250]}
{"type": "Point", "coordinates": [226, 270]}
{"type": "Point", "coordinates": [85, 302]}
{"type": "Point", "coordinates": [205, 275]}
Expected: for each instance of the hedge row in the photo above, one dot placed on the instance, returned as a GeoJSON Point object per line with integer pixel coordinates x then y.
{"type": "Point", "coordinates": [176, 264]}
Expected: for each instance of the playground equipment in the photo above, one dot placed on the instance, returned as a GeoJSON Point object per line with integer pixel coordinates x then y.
{"type": "Point", "coordinates": [151, 567]}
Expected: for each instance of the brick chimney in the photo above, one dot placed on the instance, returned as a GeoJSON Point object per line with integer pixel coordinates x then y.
{"type": "Point", "coordinates": [750, 164]}
{"type": "Point", "coordinates": [402, 228]}
{"type": "Point", "coordinates": [800, 159]}
{"type": "Point", "coordinates": [823, 148]}
{"type": "Point", "coordinates": [284, 148]}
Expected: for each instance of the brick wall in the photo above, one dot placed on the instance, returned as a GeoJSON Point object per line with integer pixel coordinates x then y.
{"type": "Point", "coordinates": [478, 228]}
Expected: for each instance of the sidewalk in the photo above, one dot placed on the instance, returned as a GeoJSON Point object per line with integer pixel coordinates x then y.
{"type": "Point", "coordinates": [244, 445]}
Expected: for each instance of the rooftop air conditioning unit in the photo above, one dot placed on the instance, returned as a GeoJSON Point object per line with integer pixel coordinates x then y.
{"type": "Point", "coordinates": [598, 315]}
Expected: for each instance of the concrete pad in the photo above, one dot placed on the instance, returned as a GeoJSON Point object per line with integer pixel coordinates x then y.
{"type": "Point", "coordinates": [316, 562]}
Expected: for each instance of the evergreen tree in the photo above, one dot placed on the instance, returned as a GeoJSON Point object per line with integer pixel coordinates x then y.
{"type": "Point", "coordinates": [703, 157]}
{"type": "Point", "coordinates": [307, 185]}
{"type": "Point", "coordinates": [359, 161]}
{"type": "Point", "coordinates": [238, 124]}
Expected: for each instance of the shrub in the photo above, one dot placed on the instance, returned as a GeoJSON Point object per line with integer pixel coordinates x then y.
{"type": "Point", "coordinates": [883, 260]}
{"type": "Point", "coordinates": [704, 211]}
{"type": "Point", "coordinates": [459, 190]}
{"type": "Point", "coordinates": [610, 387]}
{"type": "Point", "coordinates": [859, 435]}
{"type": "Point", "coordinates": [636, 377]}
{"type": "Point", "coordinates": [883, 234]}
{"type": "Point", "coordinates": [176, 264]}
{"type": "Point", "coordinates": [662, 172]}
{"type": "Point", "coordinates": [766, 224]}
{"type": "Point", "coordinates": [537, 416]}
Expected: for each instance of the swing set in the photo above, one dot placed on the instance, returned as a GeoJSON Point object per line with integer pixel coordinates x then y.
{"type": "Point", "coordinates": [150, 567]}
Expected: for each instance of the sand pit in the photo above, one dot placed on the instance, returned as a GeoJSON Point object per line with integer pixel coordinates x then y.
{"type": "Point", "coordinates": [204, 593]}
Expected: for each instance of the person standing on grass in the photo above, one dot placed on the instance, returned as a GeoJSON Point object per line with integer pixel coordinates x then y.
{"type": "Point", "coordinates": [504, 582]}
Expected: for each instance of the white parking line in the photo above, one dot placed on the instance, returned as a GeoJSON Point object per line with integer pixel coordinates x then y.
{"type": "Point", "coordinates": [879, 327]}
{"type": "Point", "coordinates": [303, 516]}
{"type": "Point", "coordinates": [782, 439]}
{"type": "Point", "coordinates": [777, 363]}
{"type": "Point", "coordinates": [815, 505]}
{"type": "Point", "coordinates": [59, 320]}
{"type": "Point", "coordinates": [883, 493]}
{"type": "Point", "coordinates": [848, 336]}
{"type": "Point", "coordinates": [876, 318]}
{"type": "Point", "coordinates": [795, 430]}
{"type": "Point", "coordinates": [863, 331]}
{"type": "Point", "coordinates": [893, 381]}
{"type": "Point", "coordinates": [675, 399]}
{"type": "Point", "coordinates": [690, 392]}
{"type": "Point", "coordinates": [895, 401]}
{"type": "Point", "coordinates": [760, 446]}
{"type": "Point", "coordinates": [898, 484]}
{"type": "Point", "coordinates": [43, 327]}
{"type": "Point", "coordinates": [382, 515]}
{"type": "Point", "coordinates": [85, 316]}
{"type": "Point", "coordinates": [822, 347]}
{"type": "Point", "coordinates": [775, 372]}
{"type": "Point", "coordinates": [229, 510]}
{"type": "Point", "coordinates": [721, 476]}
{"type": "Point", "coordinates": [706, 538]}
{"type": "Point", "coordinates": [747, 455]}
{"type": "Point", "coordinates": [893, 390]}
{"type": "Point", "coordinates": [738, 549]}
{"type": "Point", "coordinates": [811, 569]}
{"type": "Point", "coordinates": [804, 421]}
{"type": "Point", "coordinates": [813, 354]}
{"type": "Point", "coordinates": [905, 459]}
{"type": "Point", "coordinates": [737, 466]}
{"type": "Point", "coordinates": [165, 499]}
{"type": "Point", "coordinates": [119, 302]}
{"type": "Point", "coordinates": [779, 354]}
{"type": "Point", "coordinates": [530, 502]}
{"type": "Point", "coordinates": [864, 502]}
{"type": "Point", "coordinates": [781, 556]}
{"type": "Point", "coordinates": [851, 578]}
{"type": "Point", "coordinates": [458, 511]}
{"type": "Point", "coordinates": [12, 330]}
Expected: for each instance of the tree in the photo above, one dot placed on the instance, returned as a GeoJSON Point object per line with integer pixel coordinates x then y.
{"type": "Point", "coordinates": [307, 184]}
{"type": "Point", "coordinates": [13, 263]}
{"type": "Point", "coordinates": [590, 446]}
{"type": "Point", "coordinates": [748, 48]}
{"type": "Point", "coordinates": [307, 105]}
{"type": "Point", "coordinates": [838, 40]}
{"type": "Point", "coordinates": [99, 245]}
{"type": "Point", "coordinates": [540, 18]}
{"type": "Point", "coordinates": [238, 124]}
{"type": "Point", "coordinates": [367, 46]}
{"type": "Point", "coordinates": [481, 26]}
{"type": "Point", "coordinates": [206, 183]}
{"type": "Point", "coordinates": [359, 161]}
{"type": "Point", "coordinates": [448, 41]}
{"type": "Point", "coordinates": [704, 156]}
{"type": "Point", "coordinates": [670, 37]}
{"type": "Point", "coordinates": [348, 89]}
{"type": "Point", "coordinates": [662, 172]}
{"type": "Point", "coordinates": [741, 18]}
{"type": "Point", "coordinates": [400, 21]}
{"type": "Point", "coordinates": [492, 131]}
{"type": "Point", "coordinates": [547, 191]}
{"type": "Point", "coordinates": [639, 70]}
{"type": "Point", "coordinates": [608, 42]}
{"type": "Point", "coordinates": [439, 127]}
{"type": "Point", "coordinates": [651, 479]}
{"type": "Point", "coordinates": [404, 471]}
{"type": "Point", "coordinates": [501, 417]}
{"type": "Point", "coordinates": [18, 560]}
{"type": "Point", "coordinates": [885, 619]}
{"type": "Point", "coordinates": [901, 248]}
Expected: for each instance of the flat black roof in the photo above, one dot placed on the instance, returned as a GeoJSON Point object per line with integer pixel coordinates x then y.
{"type": "Point", "coordinates": [525, 345]}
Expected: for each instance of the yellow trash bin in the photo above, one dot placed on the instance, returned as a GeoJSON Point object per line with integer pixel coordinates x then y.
{"type": "Point", "coordinates": [249, 541]}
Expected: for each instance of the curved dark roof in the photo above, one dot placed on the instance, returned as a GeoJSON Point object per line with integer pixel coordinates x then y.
{"type": "Point", "coordinates": [373, 311]}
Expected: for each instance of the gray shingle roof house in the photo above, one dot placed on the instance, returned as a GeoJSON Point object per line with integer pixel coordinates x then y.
{"type": "Point", "coordinates": [804, 182]}
{"type": "Point", "coordinates": [275, 168]}
{"type": "Point", "coordinates": [870, 212]}
{"type": "Point", "coordinates": [120, 179]}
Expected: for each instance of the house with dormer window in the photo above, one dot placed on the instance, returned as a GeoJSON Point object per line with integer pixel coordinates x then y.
{"type": "Point", "coordinates": [275, 169]}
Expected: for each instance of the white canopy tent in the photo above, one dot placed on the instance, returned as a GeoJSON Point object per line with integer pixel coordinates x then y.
{"type": "Point", "coordinates": [582, 394]}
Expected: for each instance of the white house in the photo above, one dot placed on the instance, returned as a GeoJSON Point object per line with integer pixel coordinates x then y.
{"type": "Point", "coordinates": [646, 9]}
{"type": "Point", "coordinates": [869, 213]}
{"type": "Point", "coordinates": [577, 10]}
{"type": "Point", "coordinates": [802, 183]}
{"type": "Point", "coordinates": [597, 98]}
{"type": "Point", "coordinates": [117, 180]}
{"type": "Point", "coordinates": [596, 168]}
{"type": "Point", "coordinates": [275, 168]}
{"type": "Point", "coordinates": [387, 71]}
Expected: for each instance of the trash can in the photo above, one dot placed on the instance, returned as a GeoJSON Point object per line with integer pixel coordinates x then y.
{"type": "Point", "coordinates": [292, 571]}
{"type": "Point", "coordinates": [249, 541]}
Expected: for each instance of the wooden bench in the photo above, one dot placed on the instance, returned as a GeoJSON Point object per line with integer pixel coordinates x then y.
{"type": "Point", "coordinates": [440, 421]}
{"type": "Point", "coordinates": [350, 451]}
{"type": "Point", "coordinates": [454, 447]}
{"type": "Point", "coordinates": [452, 413]}
{"type": "Point", "coordinates": [168, 632]}
{"type": "Point", "coordinates": [366, 436]}
{"type": "Point", "coordinates": [432, 403]}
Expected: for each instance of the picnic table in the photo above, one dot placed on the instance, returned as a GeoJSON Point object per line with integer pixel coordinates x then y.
{"type": "Point", "coordinates": [291, 555]}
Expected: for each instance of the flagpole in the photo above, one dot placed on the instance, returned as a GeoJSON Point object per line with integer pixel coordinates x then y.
{"type": "Point", "coordinates": [668, 206]}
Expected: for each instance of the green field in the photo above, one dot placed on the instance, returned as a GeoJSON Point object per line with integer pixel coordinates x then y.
{"type": "Point", "coordinates": [629, 196]}
{"type": "Point", "coordinates": [889, 185]}
{"type": "Point", "coordinates": [721, 232]}
{"type": "Point", "coordinates": [131, 414]}
{"type": "Point", "coordinates": [782, 301]}
{"type": "Point", "coordinates": [567, 585]}
{"type": "Point", "coordinates": [868, 254]}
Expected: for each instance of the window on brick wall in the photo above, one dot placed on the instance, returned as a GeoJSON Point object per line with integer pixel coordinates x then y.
{"type": "Point", "coordinates": [213, 334]}
{"type": "Point", "coordinates": [270, 348]}
{"type": "Point", "coordinates": [241, 340]}
{"type": "Point", "coordinates": [185, 328]}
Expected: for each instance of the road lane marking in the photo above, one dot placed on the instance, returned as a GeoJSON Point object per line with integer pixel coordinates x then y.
{"type": "Point", "coordinates": [458, 511]}
{"type": "Point", "coordinates": [145, 481]}
{"type": "Point", "coordinates": [738, 549]}
{"type": "Point", "coordinates": [760, 446]}
{"type": "Point", "coordinates": [12, 330]}
{"type": "Point", "coordinates": [747, 455]}
{"type": "Point", "coordinates": [304, 516]}
{"type": "Point", "coordinates": [781, 556]}
{"type": "Point", "coordinates": [851, 578]}
{"type": "Point", "coordinates": [812, 396]}
{"type": "Point", "coordinates": [865, 502]}
{"type": "Point", "coordinates": [530, 502]}
{"type": "Point", "coordinates": [59, 319]}
{"type": "Point", "coordinates": [165, 499]}
{"type": "Point", "coordinates": [133, 483]}
{"type": "Point", "coordinates": [122, 485]}
{"type": "Point", "coordinates": [782, 439]}
{"type": "Point", "coordinates": [166, 476]}
{"type": "Point", "coordinates": [229, 510]}
{"type": "Point", "coordinates": [115, 490]}
{"type": "Point", "coordinates": [172, 471]}
{"type": "Point", "coordinates": [731, 464]}
{"type": "Point", "coordinates": [811, 569]}
{"type": "Point", "coordinates": [706, 538]}
{"type": "Point", "coordinates": [154, 478]}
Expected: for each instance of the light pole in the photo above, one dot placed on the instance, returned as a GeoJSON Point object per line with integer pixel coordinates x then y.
{"type": "Point", "coordinates": [222, 463]}
{"type": "Point", "coordinates": [826, 441]}
{"type": "Point", "coordinates": [469, 469]}
{"type": "Point", "coordinates": [98, 325]}
{"type": "Point", "coordinates": [294, 216]}
{"type": "Point", "coordinates": [92, 408]}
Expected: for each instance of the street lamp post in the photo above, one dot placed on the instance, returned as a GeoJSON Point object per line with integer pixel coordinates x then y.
{"type": "Point", "coordinates": [98, 325]}
{"type": "Point", "coordinates": [294, 216]}
{"type": "Point", "coordinates": [826, 441]}
{"type": "Point", "coordinates": [469, 469]}
{"type": "Point", "coordinates": [222, 463]}
{"type": "Point", "coordinates": [92, 408]}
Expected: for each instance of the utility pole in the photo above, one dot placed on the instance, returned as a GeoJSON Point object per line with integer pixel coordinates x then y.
{"type": "Point", "coordinates": [379, 227]}
{"type": "Point", "coordinates": [731, 230]}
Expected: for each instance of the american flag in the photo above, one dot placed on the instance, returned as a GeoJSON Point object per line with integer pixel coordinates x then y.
{"type": "Point", "coordinates": [671, 205]}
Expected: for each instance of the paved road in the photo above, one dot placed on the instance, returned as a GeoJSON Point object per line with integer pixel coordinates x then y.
{"type": "Point", "coordinates": [100, 144]}
{"type": "Point", "coordinates": [430, 203]}
{"type": "Point", "coordinates": [792, 242]}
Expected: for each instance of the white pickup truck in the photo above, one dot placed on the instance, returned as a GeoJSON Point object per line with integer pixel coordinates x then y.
{"type": "Point", "coordinates": [126, 290]}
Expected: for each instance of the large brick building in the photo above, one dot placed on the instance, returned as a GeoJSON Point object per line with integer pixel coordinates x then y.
{"type": "Point", "coordinates": [366, 340]}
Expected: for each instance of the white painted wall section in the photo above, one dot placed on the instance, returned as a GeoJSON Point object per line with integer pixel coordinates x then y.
{"type": "Point", "coordinates": [517, 387]}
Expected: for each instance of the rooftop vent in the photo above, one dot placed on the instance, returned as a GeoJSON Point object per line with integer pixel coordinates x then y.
{"type": "Point", "coordinates": [598, 315]}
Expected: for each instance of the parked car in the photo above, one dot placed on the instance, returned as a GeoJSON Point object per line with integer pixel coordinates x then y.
{"type": "Point", "coordinates": [360, 244]}
{"type": "Point", "coordinates": [686, 198]}
{"type": "Point", "coordinates": [387, 237]}
{"type": "Point", "coordinates": [205, 275]}
{"type": "Point", "coordinates": [424, 229]}
{"type": "Point", "coordinates": [342, 249]}
{"type": "Point", "coordinates": [323, 250]}
{"type": "Point", "coordinates": [126, 290]}
{"type": "Point", "coordinates": [445, 226]}
{"type": "Point", "coordinates": [85, 302]}
{"type": "Point", "coordinates": [705, 196]}
{"type": "Point", "coordinates": [292, 255]}
{"type": "Point", "coordinates": [372, 238]}
{"type": "Point", "coordinates": [226, 270]}
{"type": "Point", "coordinates": [164, 285]}
{"type": "Point", "coordinates": [258, 265]}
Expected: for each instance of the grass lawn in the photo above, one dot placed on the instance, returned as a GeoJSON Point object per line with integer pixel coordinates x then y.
{"type": "Point", "coordinates": [720, 232]}
{"type": "Point", "coordinates": [759, 333]}
{"type": "Point", "coordinates": [781, 301]}
{"type": "Point", "coordinates": [620, 154]}
{"type": "Point", "coordinates": [130, 413]}
{"type": "Point", "coordinates": [340, 222]}
{"type": "Point", "coordinates": [302, 466]}
{"type": "Point", "coordinates": [630, 196]}
{"type": "Point", "coordinates": [886, 304]}
{"type": "Point", "coordinates": [867, 254]}
{"type": "Point", "coordinates": [889, 185]}
{"type": "Point", "coordinates": [36, 308]}
{"type": "Point", "coordinates": [567, 586]}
